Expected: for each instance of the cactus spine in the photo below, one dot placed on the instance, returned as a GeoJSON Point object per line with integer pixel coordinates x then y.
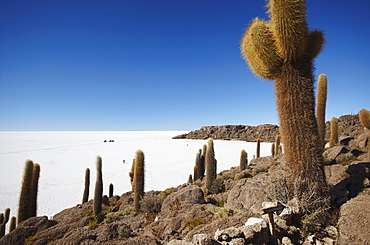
{"type": "Point", "coordinates": [282, 49]}
{"type": "Point", "coordinates": [110, 190]}
{"type": "Point", "coordinates": [322, 88]}
{"type": "Point", "coordinates": [4, 218]}
{"type": "Point", "coordinates": [24, 199]}
{"type": "Point", "coordinates": [12, 224]}
{"type": "Point", "coordinates": [333, 131]}
{"type": "Point", "coordinates": [210, 164]}
{"type": "Point", "coordinates": [243, 160]}
{"type": "Point", "coordinates": [98, 193]}
{"type": "Point", "coordinates": [139, 179]}
{"type": "Point", "coordinates": [258, 151]}
{"type": "Point", "coordinates": [85, 196]}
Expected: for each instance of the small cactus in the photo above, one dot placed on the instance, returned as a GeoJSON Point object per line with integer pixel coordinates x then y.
{"type": "Point", "coordinates": [24, 199]}
{"type": "Point", "coordinates": [243, 160]}
{"type": "Point", "coordinates": [110, 190]}
{"type": "Point", "coordinates": [98, 193]}
{"type": "Point", "coordinates": [12, 224]}
{"type": "Point", "coordinates": [139, 179]}
{"type": "Point", "coordinates": [190, 179]}
{"type": "Point", "coordinates": [85, 196]}
{"type": "Point", "coordinates": [210, 164]}
{"type": "Point", "coordinates": [258, 151]}
{"type": "Point", "coordinates": [4, 218]}
{"type": "Point", "coordinates": [273, 149]}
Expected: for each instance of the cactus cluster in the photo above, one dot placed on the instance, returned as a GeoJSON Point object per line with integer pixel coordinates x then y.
{"type": "Point", "coordinates": [199, 168]}
{"type": "Point", "coordinates": [4, 218]}
{"type": "Point", "coordinates": [28, 197]}
{"type": "Point", "coordinates": [282, 49]}
{"type": "Point", "coordinates": [210, 164]}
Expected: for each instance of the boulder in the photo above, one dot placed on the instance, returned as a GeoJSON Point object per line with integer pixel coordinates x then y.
{"type": "Point", "coordinates": [178, 242]}
{"type": "Point", "coordinates": [203, 239]}
{"type": "Point", "coordinates": [191, 193]}
{"type": "Point", "coordinates": [331, 154]}
{"type": "Point", "coordinates": [248, 194]}
{"type": "Point", "coordinates": [335, 173]}
{"type": "Point", "coordinates": [354, 219]}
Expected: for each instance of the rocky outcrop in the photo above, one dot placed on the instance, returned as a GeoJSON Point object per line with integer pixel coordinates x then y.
{"type": "Point", "coordinates": [348, 125]}
{"type": "Point", "coordinates": [266, 133]}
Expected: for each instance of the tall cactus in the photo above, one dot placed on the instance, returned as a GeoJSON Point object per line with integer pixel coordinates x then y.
{"type": "Point", "coordinates": [322, 90]}
{"type": "Point", "coordinates": [86, 193]}
{"type": "Point", "coordinates": [258, 150]}
{"type": "Point", "coordinates": [139, 179]}
{"type": "Point", "coordinates": [333, 132]}
{"type": "Point", "coordinates": [24, 199]}
{"type": "Point", "coordinates": [4, 218]}
{"type": "Point", "coordinates": [365, 121]}
{"type": "Point", "coordinates": [210, 163]}
{"type": "Point", "coordinates": [283, 49]}
{"type": "Point", "coordinates": [98, 192]}
{"type": "Point", "coordinates": [243, 160]}
{"type": "Point", "coordinates": [34, 190]}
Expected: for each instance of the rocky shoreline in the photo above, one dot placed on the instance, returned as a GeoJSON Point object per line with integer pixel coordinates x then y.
{"type": "Point", "coordinates": [348, 125]}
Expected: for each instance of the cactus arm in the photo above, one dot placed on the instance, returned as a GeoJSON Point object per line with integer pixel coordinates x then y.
{"type": "Point", "coordinates": [289, 27]}
{"type": "Point", "coordinates": [316, 42]}
{"type": "Point", "coordinates": [259, 50]}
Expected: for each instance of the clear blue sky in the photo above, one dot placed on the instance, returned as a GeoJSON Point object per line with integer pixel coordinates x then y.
{"type": "Point", "coordinates": [159, 65]}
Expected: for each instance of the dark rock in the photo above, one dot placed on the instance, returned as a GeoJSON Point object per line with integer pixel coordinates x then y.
{"type": "Point", "coordinates": [345, 140]}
